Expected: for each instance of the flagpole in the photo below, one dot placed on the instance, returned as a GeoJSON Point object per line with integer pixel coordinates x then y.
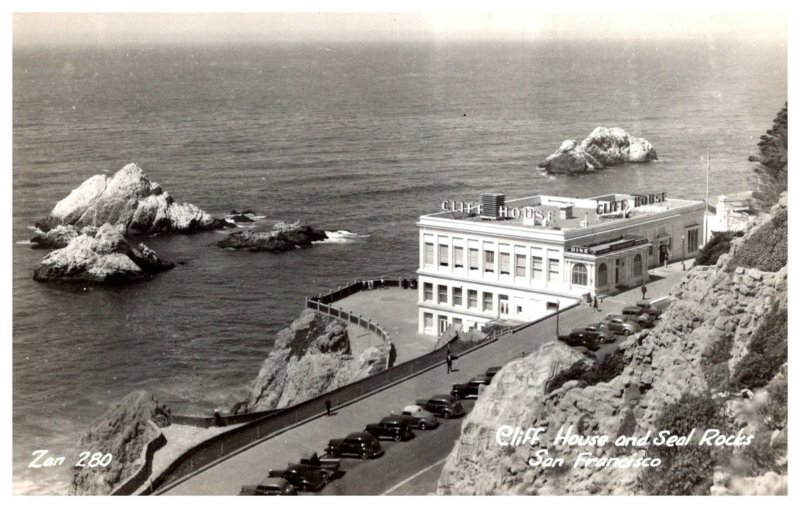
{"type": "Point", "coordinates": [705, 217]}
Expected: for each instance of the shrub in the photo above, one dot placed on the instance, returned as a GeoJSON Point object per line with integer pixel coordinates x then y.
{"type": "Point", "coordinates": [771, 171]}
{"type": "Point", "coordinates": [768, 248]}
{"type": "Point", "coordinates": [715, 362]}
{"type": "Point", "coordinates": [767, 353]}
{"type": "Point", "coordinates": [611, 366]}
{"type": "Point", "coordinates": [720, 244]}
{"type": "Point", "coordinates": [685, 470]}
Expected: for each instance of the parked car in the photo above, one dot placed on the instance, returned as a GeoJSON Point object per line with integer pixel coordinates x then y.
{"type": "Point", "coordinates": [357, 444]}
{"type": "Point", "coordinates": [302, 476]}
{"type": "Point", "coordinates": [633, 314]}
{"type": "Point", "coordinates": [620, 325]}
{"type": "Point", "coordinates": [606, 334]}
{"type": "Point", "coordinates": [393, 427]}
{"type": "Point", "coordinates": [328, 464]}
{"type": "Point", "coordinates": [492, 371]}
{"type": "Point", "coordinates": [582, 338]}
{"type": "Point", "coordinates": [443, 405]}
{"type": "Point", "coordinates": [644, 308]}
{"type": "Point", "coordinates": [272, 486]}
{"type": "Point", "coordinates": [419, 417]}
{"type": "Point", "coordinates": [470, 388]}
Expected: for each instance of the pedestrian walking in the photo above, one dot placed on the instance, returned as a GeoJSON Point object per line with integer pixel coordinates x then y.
{"type": "Point", "coordinates": [449, 361]}
{"type": "Point", "coordinates": [644, 291]}
{"type": "Point", "coordinates": [328, 406]}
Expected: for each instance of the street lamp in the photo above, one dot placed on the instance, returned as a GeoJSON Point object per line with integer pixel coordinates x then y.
{"type": "Point", "coordinates": [683, 252]}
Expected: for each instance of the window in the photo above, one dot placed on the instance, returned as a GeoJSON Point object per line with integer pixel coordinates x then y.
{"type": "Point", "coordinates": [444, 254]}
{"type": "Point", "coordinates": [428, 253]}
{"type": "Point", "coordinates": [473, 259]}
{"type": "Point", "coordinates": [457, 324]}
{"type": "Point", "coordinates": [487, 301]}
{"type": "Point", "coordinates": [472, 299]}
{"type": "Point", "coordinates": [536, 267]}
{"type": "Point", "coordinates": [637, 265]}
{"type": "Point", "coordinates": [520, 265]}
{"type": "Point", "coordinates": [579, 274]}
{"type": "Point", "coordinates": [458, 257]}
{"type": "Point", "coordinates": [650, 251]}
{"type": "Point", "coordinates": [552, 306]}
{"type": "Point", "coordinates": [457, 296]}
{"type": "Point", "coordinates": [693, 241]}
{"type": "Point", "coordinates": [442, 294]}
{"type": "Point", "coordinates": [602, 275]}
{"type": "Point", "coordinates": [552, 269]}
{"type": "Point", "coordinates": [428, 291]}
{"type": "Point", "coordinates": [428, 322]}
{"type": "Point", "coordinates": [505, 264]}
{"type": "Point", "coordinates": [488, 261]}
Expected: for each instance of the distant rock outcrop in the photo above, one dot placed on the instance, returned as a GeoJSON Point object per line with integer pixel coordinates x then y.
{"type": "Point", "coordinates": [309, 358]}
{"type": "Point", "coordinates": [132, 203]}
{"type": "Point", "coordinates": [102, 257]}
{"type": "Point", "coordinates": [123, 431]}
{"type": "Point", "coordinates": [613, 146]}
{"type": "Point", "coordinates": [722, 331]}
{"type": "Point", "coordinates": [603, 147]}
{"type": "Point", "coordinates": [282, 237]}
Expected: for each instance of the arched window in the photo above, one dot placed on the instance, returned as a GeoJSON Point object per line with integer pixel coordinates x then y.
{"type": "Point", "coordinates": [602, 275]}
{"type": "Point", "coordinates": [637, 265]}
{"type": "Point", "coordinates": [579, 275]}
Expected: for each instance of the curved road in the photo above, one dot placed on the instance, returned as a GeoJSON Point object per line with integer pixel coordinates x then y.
{"type": "Point", "coordinates": [410, 467]}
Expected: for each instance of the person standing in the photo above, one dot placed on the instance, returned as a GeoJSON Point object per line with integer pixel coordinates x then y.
{"type": "Point", "coordinates": [594, 303]}
{"type": "Point", "coordinates": [328, 406]}
{"type": "Point", "coordinates": [644, 291]}
{"type": "Point", "coordinates": [449, 361]}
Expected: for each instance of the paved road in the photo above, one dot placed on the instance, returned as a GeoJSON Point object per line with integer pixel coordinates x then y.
{"type": "Point", "coordinates": [409, 467]}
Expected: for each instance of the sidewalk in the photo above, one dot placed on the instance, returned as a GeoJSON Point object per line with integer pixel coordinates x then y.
{"type": "Point", "coordinates": [227, 476]}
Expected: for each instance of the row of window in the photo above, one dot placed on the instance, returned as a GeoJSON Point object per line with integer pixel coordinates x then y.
{"type": "Point", "coordinates": [458, 297]}
{"type": "Point", "coordinates": [520, 261]}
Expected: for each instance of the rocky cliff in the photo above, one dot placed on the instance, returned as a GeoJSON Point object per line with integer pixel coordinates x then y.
{"type": "Point", "coordinates": [310, 357]}
{"type": "Point", "coordinates": [122, 431]}
{"type": "Point", "coordinates": [129, 201]}
{"type": "Point", "coordinates": [100, 256]}
{"type": "Point", "coordinates": [282, 237]}
{"type": "Point", "coordinates": [714, 360]}
{"type": "Point", "coordinates": [603, 147]}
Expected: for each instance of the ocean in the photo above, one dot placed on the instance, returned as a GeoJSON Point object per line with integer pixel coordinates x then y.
{"type": "Point", "coordinates": [362, 137]}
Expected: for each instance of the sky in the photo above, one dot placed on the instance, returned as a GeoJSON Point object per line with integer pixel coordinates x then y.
{"type": "Point", "coordinates": [640, 23]}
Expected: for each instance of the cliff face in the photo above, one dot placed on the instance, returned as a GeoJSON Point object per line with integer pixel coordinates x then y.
{"type": "Point", "coordinates": [310, 357]}
{"type": "Point", "coordinates": [689, 370]}
{"type": "Point", "coordinates": [129, 201]}
{"type": "Point", "coordinates": [122, 431]}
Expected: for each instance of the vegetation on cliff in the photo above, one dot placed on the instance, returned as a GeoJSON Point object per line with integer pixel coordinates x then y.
{"type": "Point", "coordinates": [772, 160]}
{"type": "Point", "coordinates": [719, 244]}
{"type": "Point", "coordinates": [768, 247]}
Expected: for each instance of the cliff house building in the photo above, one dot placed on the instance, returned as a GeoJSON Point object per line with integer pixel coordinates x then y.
{"type": "Point", "coordinates": [520, 259]}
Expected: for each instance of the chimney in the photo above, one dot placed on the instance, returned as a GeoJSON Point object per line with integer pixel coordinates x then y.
{"type": "Point", "coordinates": [491, 204]}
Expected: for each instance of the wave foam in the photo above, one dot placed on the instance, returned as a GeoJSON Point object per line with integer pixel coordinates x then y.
{"type": "Point", "coordinates": [341, 237]}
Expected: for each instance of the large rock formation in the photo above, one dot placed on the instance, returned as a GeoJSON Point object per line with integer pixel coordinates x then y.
{"type": "Point", "coordinates": [59, 236]}
{"type": "Point", "coordinates": [310, 357]}
{"type": "Point", "coordinates": [603, 147]}
{"type": "Point", "coordinates": [102, 257]}
{"type": "Point", "coordinates": [687, 371]}
{"type": "Point", "coordinates": [132, 203]}
{"type": "Point", "coordinates": [123, 431]}
{"type": "Point", "coordinates": [570, 157]}
{"type": "Point", "coordinates": [281, 237]}
{"type": "Point", "coordinates": [613, 146]}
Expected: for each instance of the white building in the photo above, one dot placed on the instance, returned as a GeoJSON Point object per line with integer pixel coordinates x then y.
{"type": "Point", "coordinates": [520, 259]}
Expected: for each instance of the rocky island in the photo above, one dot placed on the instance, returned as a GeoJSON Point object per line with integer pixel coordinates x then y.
{"type": "Point", "coordinates": [129, 201]}
{"type": "Point", "coordinates": [603, 147]}
{"type": "Point", "coordinates": [281, 237]}
{"type": "Point", "coordinates": [100, 256]}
